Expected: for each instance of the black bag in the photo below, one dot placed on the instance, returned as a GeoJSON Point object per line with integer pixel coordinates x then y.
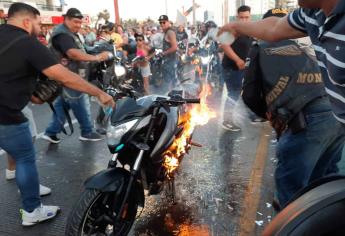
{"type": "Point", "coordinates": [47, 90]}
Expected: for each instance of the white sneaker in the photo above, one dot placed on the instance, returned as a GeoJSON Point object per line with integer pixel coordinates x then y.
{"type": "Point", "coordinates": [44, 190]}
{"type": "Point", "coordinates": [10, 174]}
{"type": "Point", "coordinates": [40, 214]}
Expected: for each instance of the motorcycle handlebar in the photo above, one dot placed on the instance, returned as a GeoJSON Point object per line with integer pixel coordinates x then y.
{"type": "Point", "coordinates": [192, 100]}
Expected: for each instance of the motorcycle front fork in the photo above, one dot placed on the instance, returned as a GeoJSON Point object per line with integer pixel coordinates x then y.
{"type": "Point", "coordinates": [171, 192]}
{"type": "Point", "coordinates": [134, 172]}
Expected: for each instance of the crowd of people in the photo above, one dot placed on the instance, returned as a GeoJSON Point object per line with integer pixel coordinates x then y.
{"type": "Point", "coordinates": [301, 93]}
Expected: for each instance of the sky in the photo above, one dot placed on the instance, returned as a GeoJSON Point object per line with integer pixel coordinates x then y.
{"type": "Point", "coordinates": [141, 9]}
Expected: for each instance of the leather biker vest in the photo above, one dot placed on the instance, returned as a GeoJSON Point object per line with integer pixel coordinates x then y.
{"type": "Point", "coordinates": [291, 77]}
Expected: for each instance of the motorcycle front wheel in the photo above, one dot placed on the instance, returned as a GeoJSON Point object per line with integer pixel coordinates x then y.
{"type": "Point", "coordinates": [95, 214]}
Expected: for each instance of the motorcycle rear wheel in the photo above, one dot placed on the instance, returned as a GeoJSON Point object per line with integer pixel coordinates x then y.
{"type": "Point", "coordinates": [94, 214]}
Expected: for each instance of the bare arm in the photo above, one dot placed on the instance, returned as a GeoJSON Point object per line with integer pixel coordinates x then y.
{"type": "Point", "coordinates": [230, 53]}
{"type": "Point", "coordinates": [172, 39]}
{"type": "Point", "coordinates": [71, 80]}
{"type": "Point", "coordinates": [78, 55]}
{"type": "Point", "coordinates": [269, 29]}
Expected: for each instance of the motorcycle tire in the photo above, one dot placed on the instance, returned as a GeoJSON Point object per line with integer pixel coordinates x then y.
{"type": "Point", "coordinates": [319, 211]}
{"type": "Point", "coordinates": [87, 216]}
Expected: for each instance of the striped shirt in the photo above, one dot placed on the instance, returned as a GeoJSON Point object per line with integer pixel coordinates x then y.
{"type": "Point", "coordinates": [328, 37]}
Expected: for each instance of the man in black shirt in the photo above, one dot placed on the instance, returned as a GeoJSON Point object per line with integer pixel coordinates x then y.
{"type": "Point", "coordinates": [70, 51]}
{"type": "Point", "coordinates": [234, 63]}
{"type": "Point", "coordinates": [22, 58]}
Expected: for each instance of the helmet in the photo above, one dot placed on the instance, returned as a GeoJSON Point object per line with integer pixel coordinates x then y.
{"type": "Point", "coordinates": [109, 26]}
{"type": "Point", "coordinates": [210, 24]}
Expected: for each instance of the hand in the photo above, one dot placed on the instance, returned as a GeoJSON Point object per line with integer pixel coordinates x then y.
{"type": "Point", "coordinates": [103, 56]}
{"type": "Point", "coordinates": [240, 64]}
{"type": "Point", "coordinates": [36, 100]}
{"type": "Point", "coordinates": [106, 100]}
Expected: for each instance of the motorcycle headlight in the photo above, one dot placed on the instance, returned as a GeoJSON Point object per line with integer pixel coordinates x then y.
{"type": "Point", "coordinates": [115, 133]}
{"type": "Point", "coordinates": [183, 58]}
{"type": "Point", "coordinates": [119, 70]}
{"type": "Point", "coordinates": [205, 60]}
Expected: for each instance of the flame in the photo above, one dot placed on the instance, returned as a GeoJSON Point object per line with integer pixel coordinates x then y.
{"type": "Point", "coordinates": [198, 115]}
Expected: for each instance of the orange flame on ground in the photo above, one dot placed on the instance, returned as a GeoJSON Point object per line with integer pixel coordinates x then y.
{"type": "Point", "coordinates": [199, 115]}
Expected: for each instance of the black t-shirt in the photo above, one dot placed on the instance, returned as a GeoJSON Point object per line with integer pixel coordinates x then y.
{"type": "Point", "coordinates": [181, 36]}
{"type": "Point", "coordinates": [19, 68]}
{"type": "Point", "coordinates": [241, 47]}
{"type": "Point", "coordinates": [64, 42]}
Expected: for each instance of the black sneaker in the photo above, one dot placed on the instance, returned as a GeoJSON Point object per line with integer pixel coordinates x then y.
{"type": "Point", "coordinates": [230, 126]}
{"type": "Point", "coordinates": [91, 137]}
{"type": "Point", "coordinates": [101, 131]}
{"type": "Point", "coordinates": [51, 138]}
{"type": "Point", "coordinates": [276, 205]}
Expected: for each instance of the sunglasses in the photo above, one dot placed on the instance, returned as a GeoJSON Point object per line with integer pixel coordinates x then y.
{"type": "Point", "coordinates": [162, 22]}
{"type": "Point", "coordinates": [139, 40]}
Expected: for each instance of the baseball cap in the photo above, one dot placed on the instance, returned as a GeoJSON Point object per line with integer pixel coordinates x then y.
{"type": "Point", "coordinates": [163, 18]}
{"type": "Point", "coordinates": [74, 13]}
{"type": "Point", "coordinates": [278, 12]}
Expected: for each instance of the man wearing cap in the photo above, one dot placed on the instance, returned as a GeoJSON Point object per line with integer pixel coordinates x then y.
{"type": "Point", "coordinates": [68, 48]}
{"type": "Point", "coordinates": [283, 83]}
{"type": "Point", "coordinates": [169, 52]}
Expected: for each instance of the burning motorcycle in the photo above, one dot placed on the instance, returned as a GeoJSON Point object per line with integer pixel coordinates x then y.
{"type": "Point", "coordinates": [151, 135]}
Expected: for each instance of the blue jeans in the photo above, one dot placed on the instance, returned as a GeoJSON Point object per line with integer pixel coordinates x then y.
{"type": "Point", "coordinates": [169, 74]}
{"type": "Point", "coordinates": [80, 105]}
{"type": "Point", "coordinates": [309, 154]}
{"type": "Point", "coordinates": [16, 140]}
{"type": "Point", "coordinates": [233, 80]}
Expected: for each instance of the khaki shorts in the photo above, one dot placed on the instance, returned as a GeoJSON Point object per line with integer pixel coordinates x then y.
{"type": "Point", "coordinates": [145, 71]}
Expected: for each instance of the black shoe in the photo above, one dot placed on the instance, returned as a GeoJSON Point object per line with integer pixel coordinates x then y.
{"type": "Point", "coordinates": [276, 206]}
{"type": "Point", "coordinates": [91, 137]}
{"type": "Point", "coordinates": [230, 126]}
{"type": "Point", "coordinates": [101, 131]}
{"type": "Point", "coordinates": [51, 138]}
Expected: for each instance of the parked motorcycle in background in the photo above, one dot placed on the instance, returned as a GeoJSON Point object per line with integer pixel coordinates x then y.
{"type": "Point", "coordinates": [210, 63]}
{"type": "Point", "coordinates": [156, 69]}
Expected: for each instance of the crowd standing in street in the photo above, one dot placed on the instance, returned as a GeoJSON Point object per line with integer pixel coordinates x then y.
{"type": "Point", "coordinates": [308, 115]}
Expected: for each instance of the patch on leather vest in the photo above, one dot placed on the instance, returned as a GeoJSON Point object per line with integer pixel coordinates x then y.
{"type": "Point", "coordinates": [309, 78]}
{"type": "Point", "coordinates": [277, 89]}
{"type": "Point", "coordinates": [289, 50]}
